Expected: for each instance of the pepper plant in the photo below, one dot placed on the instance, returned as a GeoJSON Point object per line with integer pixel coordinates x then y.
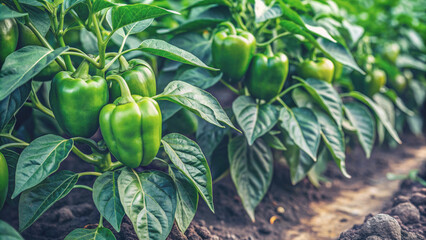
{"type": "Point", "coordinates": [292, 68]}
{"type": "Point", "coordinates": [102, 83]}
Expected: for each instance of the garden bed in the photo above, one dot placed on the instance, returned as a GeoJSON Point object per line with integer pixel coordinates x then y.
{"type": "Point", "coordinates": [289, 207]}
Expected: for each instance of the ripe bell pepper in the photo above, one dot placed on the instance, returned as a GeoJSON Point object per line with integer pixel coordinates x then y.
{"type": "Point", "coordinates": [267, 75]}
{"type": "Point", "coordinates": [322, 69]}
{"type": "Point", "coordinates": [183, 122]}
{"type": "Point", "coordinates": [131, 127]}
{"type": "Point", "coordinates": [26, 38]}
{"type": "Point", "coordinates": [8, 38]}
{"type": "Point", "coordinates": [4, 180]}
{"type": "Point", "coordinates": [139, 76]}
{"type": "Point", "coordinates": [232, 51]}
{"type": "Point", "coordinates": [76, 100]}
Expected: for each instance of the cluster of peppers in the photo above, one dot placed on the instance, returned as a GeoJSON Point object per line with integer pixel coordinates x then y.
{"type": "Point", "coordinates": [233, 51]}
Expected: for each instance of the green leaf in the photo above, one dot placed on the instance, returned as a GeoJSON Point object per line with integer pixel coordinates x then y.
{"type": "Point", "coordinates": [391, 94]}
{"type": "Point", "coordinates": [274, 142]}
{"type": "Point", "coordinates": [290, 14]}
{"type": "Point", "coordinates": [134, 28]}
{"type": "Point", "coordinates": [192, 25]}
{"type": "Point", "coordinates": [205, 3]}
{"type": "Point", "coordinates": [99, 5]}
{"type": "Point", "coordinates": [91, 234]}
{"type": "Point", "coordinates": [12, 103]}
{"type": "Point", "coordinates": [8, 232]}
{"type": "Point", "coordinates": [219, 163]}
{"type": "Point", "coordinates": [198, 101]}
{"type": "Point", "coordinates": [334, 140]}
{"type": "Point", "coordinates": [303, 129]}
{"type": "Point", "coordinates": [379, 112]}
{"type": "Point", "coordinates": [327, 97]}
{"type": "Point", "coordinates": [194, 43]}
{"type": "Point", "coordinates": [166, 50]}
{"type": "Point", "coordinates": [149, 200]}
{"type": "Point", "coordinates": [127, 14]}
{"type": "Point", "coordinates": [264, 13]}
{"type": "Point", "coordinates": [35, 201]}
{"type": "Point", "coordinates": [187, 156]}
{"type": "Point", "coordinates": [364, 123]}
{"type": "Point", "coordinates": [107, 199]}
{"type": "Point", "coordinates": [12, 160]}
{"type": "Point", "coordinates": [339, 53]}
{"type": "Point", "coordinates": [22, 65]}
{"type": "Point", "coordinates": [317, 29]}
{"type": "Point", "coordinates": [68, 4]}
{"type": "Point", "coordinates": [209, 137]}
{"type": "Point", "coordinates": [40, 159]}
{"type": "Point", "coordinates": [251, 171]}
{"type": "Point", "coordinates": [39, 18]}
{"type": "Point", "coordinates": [187, 199]}
{"type": "Point", "coordinates": [198, 77]}
{"type": "Point", "coordinates": [255, 120]}
{"type": "Point", "coordinates": [6, 13]}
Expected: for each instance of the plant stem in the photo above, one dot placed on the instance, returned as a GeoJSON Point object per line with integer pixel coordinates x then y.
{"type": "Point", "coordinates": [115, 165]}
{"type": "Point", "coordinates": [101, 221]}
{"type": "Point", "coordinates": [89, 174]}
{"type": "Point", "coordinates": [37, 104]}
{"type": "Point", "coordinates": [60, 38]}
{"type": "Point", "coordinates": [91, 143]}
{"type": "Point", "coordinates": [83, 156]}
{"type": "Point", "coordinates": [283, 103]}
{"type": "Point", "coordinates": [89, 59]}
{"type": "Point", "coordinates": [11, 145]}
{"type": "Point", "coordinates": [11, 137]}
{"type": "Point", "coordinates": [84, 187]}
{"type": "Point", "coordinates": [229, 86]}
{"type": "Point", "coordinates": [273, 39]}
{"type": "Point", "coordinates": [125, 91]}
{"type": "Point", "coordinates": [284, 92]}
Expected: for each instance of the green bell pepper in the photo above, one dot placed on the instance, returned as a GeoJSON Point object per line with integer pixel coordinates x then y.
{"type": "Point", "coordinates": [398, 83]}
{"type": "Point", "coordinates": [4, 180]}
{"type": "Point", "coordinates": [322, 69]}
{"type": "Point", "coordinates": [131, 127]}
{"type": "Point", "coordinates": [183, 122]}
{"type": "Point", "coordinates": [8, 38]}
{"type": "Point", "coordinates": [27, 38]}
{"type": "Point", "coordinates": [139, 76]}
{"type": "Point", "coordinates": [232, 51]}
{"type": "Point", "coordinates": [391, 52]}
{"type": "Point", "coordinates": [76, 100]}
{"type": "Point", "coordinates": [267, 75]}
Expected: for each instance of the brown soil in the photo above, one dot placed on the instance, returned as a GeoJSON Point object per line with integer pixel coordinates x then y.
{"type": "Point", "coordinates": [230, 221]}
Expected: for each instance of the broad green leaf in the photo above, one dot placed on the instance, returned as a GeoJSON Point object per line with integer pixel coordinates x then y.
{"type": "Point", "coordinates": [68, 4]}
{"type": "Point", "coordinates": [99, 5]}
{"type": "Point", "coordinates": [12, 160]}
{"type": "Point", "coordinates": [149, 200]}
{"type": "Point", "coordinates": [187, 156]}
{"type": "Point", "coordinates": [192, 25]}
{"type": "Point", "coordinates": [166, 50]}
{"type": "Point", "coordinates": [197, 101]}
{"type": "Point", "coordinates": [35, 201]}
{"type": "Point", "coordinates": [379, 112]}
{"type": "Point", "coordinates": [388, 107]}
{"type": "Point", "coordinates": [194, 43]}
{"type": "Point", "coordinates": [40, 159]}
{"type": "Point", "coordinates": [219, 163]}
{"type": "Point", "coordinates": [290, 14]}
{"type": "Point", "coordinates": [91, 234]}
{"type": "Point", "coordinates": [303, 129]}
{"type": "Point", "coordinates": [251, 171]}
{"type": "Point", "coordinates": [198, 77]}
{"type": "Point", "coordinates": [201, 3]}
{"type": "Point", "coordinates": [24, 64]}
{"type": "Point", "coordinates": [187, 199]}
{"type": "Point", "coordinates": [6, 13]}
{"type": "Point", "coordinates": [8, 232]}
{"type": "Point", "coordinates": [415, 123]}
{"type": "Point", "coordinates": [127, 14]}
{"type": "Point", "coordinates": [327, 97]}
{"type": "Point", "coordinates": [209, 137]}
{"type": "Point", "coordinates": [168, 109]}
{"type": "Point", "coordinates": [302, 98]}
{"type": "Point", "coordinates": [134, 28]}
{"type": "Point", "coordinates": [12, 103]}
{"type": "Point", "coordinates": [317, 29]}
{"type": "Point", "coordinates": [255, 120]}
{"type": "Point", "coordinates": [264, 13]}
{"type": "Point", "coordinates": [39, 18]}
{"type": "Point", "coordinates": [107, 199]}
{"type": "Point", "coordinates": [399, 103]}
{"type": "Point", "coordinates": [274, 142]}
{"type": "Point", "coordinates": [407, 61]}
{"type": "Point", "coordinates": [316, 174]}
{"type": "Point", "coordinates": [364, 123]}
{"type": "Point", "coordinates": [334, 139]}
{"type": "Point", "coordinates": [339, 53]}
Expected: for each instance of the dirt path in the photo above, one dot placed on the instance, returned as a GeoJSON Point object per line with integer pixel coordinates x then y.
{"type": "Point", "coordinates": [354, 202]}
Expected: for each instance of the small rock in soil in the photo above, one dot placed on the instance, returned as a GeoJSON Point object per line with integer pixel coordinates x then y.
{"type": "Point", "coordinates": [374, 238]}
{"type": "Point", "coordinates": [418, 199]}
{"type": "Point", "coordinates": [64, 214]}
{"type": "Point", "coordinates": [203, 232]}
{"type": "Point", "coordinates": [407, 212]}
{"type": "Point", "coordinates": [382, 225]}
{"type": "Point", "coordinates": [400, 199]}
{"type": "Point", "coordinates": [410, 236]}
{"type": "Point", "coordinates": [264, 230]}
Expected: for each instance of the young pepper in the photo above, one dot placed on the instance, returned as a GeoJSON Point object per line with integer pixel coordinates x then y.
{"type": "Point", "coordinates": [139, 76]}
{"type": "Point", "coordinates": [4, 180]}
{"type": "Point", "coordinates": [322, 69]}
{"type": "Point", "coordinates": [76, 100]}
{"type": "Point", "coordinates": [374, 81]}
{"type": "Point", "coordinates": [26, 38]}
{"type": "Point", "coordinates": [131, 127]}
{"type": "Point", "coordinates": [183, 122]}
{"type": "Point", "coordinates": [232, 51]}
{"type": "Point", "coordinates": [267, 75]}
{"type": "Point", "coordinates": [8, 38]}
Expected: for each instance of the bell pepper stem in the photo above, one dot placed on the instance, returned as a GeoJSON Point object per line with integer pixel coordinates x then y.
{"type": "Point", "coordinates": [124, 65]}
{"type": "Point", "coordinates": [90, 143]}
{"type": "Point", "coordinates": [11, 137]}
{"type": "Point", "coordinates": [232, 30]}
{"type": "Point", "coordinates": [84, 187]}
{"type": "Point", "coordinates": [284, 92]}
{"type": "Point", "coordinates": [125, 91]}
{"type": "Point", "coordinates": [269, 51]}
{"type": "Point", "coordinates": [35, 103]}
{"type": "Point", "coordinates": [82, 70]}
{"type": "Point", "coordinates": [12, 145]}
{"type": "Point", "coordinates": [84, 156]}
{"type": "Point", "coordinates": [229, 86]}
{"type": "Point", "coordinates": [89, 174]}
